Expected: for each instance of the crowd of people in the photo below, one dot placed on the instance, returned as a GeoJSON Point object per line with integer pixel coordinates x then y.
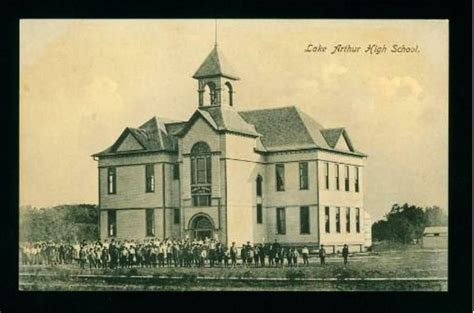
{"type": "Point", "coordinates": [166, 253]}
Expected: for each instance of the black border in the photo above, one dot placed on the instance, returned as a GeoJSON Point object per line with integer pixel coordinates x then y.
{"type": "Point", "coordinates": [460, 171]}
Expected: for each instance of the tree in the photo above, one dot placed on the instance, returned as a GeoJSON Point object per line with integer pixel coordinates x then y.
{"type": "Point", "coordinates": [64, 222]}
{"type": "Point", "coordinates": [435, 216]}
{"type": "Point", "coordinates": [407, 222]}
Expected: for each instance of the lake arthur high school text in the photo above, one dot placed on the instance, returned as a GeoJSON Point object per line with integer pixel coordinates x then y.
{"type": "Point", "coordinates": [233, 175]}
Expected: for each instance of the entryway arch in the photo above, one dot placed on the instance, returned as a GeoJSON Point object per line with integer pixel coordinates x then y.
{"type": "Point", "coordinates": [201, 226]}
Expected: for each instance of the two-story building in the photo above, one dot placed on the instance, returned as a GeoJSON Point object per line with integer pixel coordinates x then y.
{"type": "Point", "coordinates": [234, 175]}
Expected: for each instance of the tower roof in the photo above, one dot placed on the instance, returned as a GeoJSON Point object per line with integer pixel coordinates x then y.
{"type": "Point", "coordinates": [215, 65]}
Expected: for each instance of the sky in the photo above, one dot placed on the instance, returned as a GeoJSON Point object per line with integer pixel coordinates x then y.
{"type": "Point", "coordinates": [83, 81]}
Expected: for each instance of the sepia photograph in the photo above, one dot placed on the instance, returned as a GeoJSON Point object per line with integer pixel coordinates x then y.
{"type": "Point", "coordinates": [233, 155]}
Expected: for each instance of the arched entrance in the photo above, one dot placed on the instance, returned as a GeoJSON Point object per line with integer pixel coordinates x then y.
{"type": "Point", "coordinates": [201, 227]}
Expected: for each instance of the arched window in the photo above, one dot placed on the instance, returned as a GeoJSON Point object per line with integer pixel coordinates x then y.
{"type": "Point", "coordinates": [259, 186]}
{"type": "Point", "coordinates": [210, 95]}
{"type": "Point", "coordinates": [201, 174]}
{"type": "Point", "coordinates": [228, 93]}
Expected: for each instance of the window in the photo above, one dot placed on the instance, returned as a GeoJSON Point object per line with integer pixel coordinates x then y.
{"type": "Point", "coordinates": [176, 216]}
{"type": "Point", "coordinates": [303, 175]}
{"type": "Point", "coordinates": [150, 177]}
{"type": "Point", "coordinates": [337, 177]}
{"type": "Point", "coordinates": [281, 222]}
{"type": "Point", "coordinates": [326, 219]}
{"type": "Point", "coordinates": [229, 93]}
{"type": "Point", "coordinates": [280, 177]}
{"type": "Point", "coordinates": [348, 220]}
{"type": "Point", "coordinates": [201, 174]}
{"type": "Point", "coordinates": [259, 214]}
{"type": "Point", "coordinates": [112, 180]}
{"type": "Point", "coordinates": [358, 220]}
{"type": "Point", "coordinates": [200, 164]}
{"type": "Point", "coordinates": [338, 220]}
{"type": "Point", "coordinates": [356, 184]}
{"type": "Point", "coordinates": [201, 171]}
{"type": "Point", "coordinates": [346, 179]}
{"type": "Point", "coordinates": [201, 200]}
{"type": "Point", "coordinates": [112, 223]}
{"type": "Point", "coordinates": [150, 222]}
{"type": "Point", "coordinates": [259, 186]}
{"type": "Point", "coordinates": [176, 171]}
{"type": "Point", "coordinates": [304, 220]}
{"type": "Point", "coordinates": [326, 174]}
{"type": "Point", "coordinates": [210, 94]}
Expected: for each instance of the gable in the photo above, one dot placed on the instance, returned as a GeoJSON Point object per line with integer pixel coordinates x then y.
{"type": "Point", "coordinates": [129, 144]}
{"type": "Point", "coordinates": [200, 130]}
{"type": "Point", "coordinates": [342, 144]}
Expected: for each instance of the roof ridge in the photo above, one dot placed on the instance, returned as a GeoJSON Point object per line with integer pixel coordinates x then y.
{"type": "Point", "coordinates": [272, 108]}
{"type": "Point", "coordinates": [175, 123]}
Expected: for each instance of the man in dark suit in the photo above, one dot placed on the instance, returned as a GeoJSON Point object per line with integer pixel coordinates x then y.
{"type": "Point", "coordinates": [322, 255]}
{"type": "Point", "coordinates": [345, 253]}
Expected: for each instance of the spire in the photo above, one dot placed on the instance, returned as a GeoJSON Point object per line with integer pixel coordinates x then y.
{"type": "Point", "coordinates": [215, 33]}
{"type": "Point", "coordinates": [215, 65]}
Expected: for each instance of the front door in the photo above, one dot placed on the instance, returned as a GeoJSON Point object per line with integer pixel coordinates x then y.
{"type": "Point", "coordinates": [202, 227]}
{"type": "Point", "coordinates": [202, 234]}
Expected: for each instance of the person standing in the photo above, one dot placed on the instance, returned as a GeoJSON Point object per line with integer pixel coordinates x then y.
{"type": "Point", "coordinates": [226, 257]}
{"type": "Point", "coordinates": [212, 252]}
{"type": "Point", "coordinates": [82, 256]}
{"type": "Point", "coordinates": [233, 255]}
{"type": "Point", "coordinates": [345, 254]}
{"type": "Point", "coordinates": [243, 254]}
{"type": "Point", "coordinates": [256, 254]}
{"type": "Point", "coordinates": [289, 256]}
{"type": "Point", "coordinates": [250, 254]}
{"type": "Point", "coordinates": [261, 254]}
{"type": "Point", "coordinates": [169, 254]}
{"type": "Point", "coordinates": [271, 254]}
{"type": "Point", "coordinates": [322, 255]}
{"type": "Point", "coordinates": [304, 254]}
{"type": "Point", "coordinates": [282, 256]}
{"type": "Point", "coordinates": [295, 255]}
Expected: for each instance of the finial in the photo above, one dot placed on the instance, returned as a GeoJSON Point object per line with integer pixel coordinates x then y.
{"type": "Point", "coordinates": [215, 32]}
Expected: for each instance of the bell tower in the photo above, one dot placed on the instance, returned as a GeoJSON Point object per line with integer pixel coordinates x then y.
{"type": "Point", "coordinates": [215, 81]}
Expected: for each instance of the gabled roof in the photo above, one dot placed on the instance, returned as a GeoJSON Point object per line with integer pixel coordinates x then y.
{"type": "Point", "coordinates": [215, 65]}
{"type": "Point", "coordinates": [153, 135]}
{"type": "Point", "coordinates": [288, 128]}
{"type": "Point", "coordinates": [285, 129]}
{"type": "Point", "coordinates": [333, 135]}
{"type": "Point", "coordinates": [222, 120]}
{"type": "Point", "coordinates": [276, 129]}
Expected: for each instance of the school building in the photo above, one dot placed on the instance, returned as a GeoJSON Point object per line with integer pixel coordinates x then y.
{"type": "Point", "coordinates": [233, 175]}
